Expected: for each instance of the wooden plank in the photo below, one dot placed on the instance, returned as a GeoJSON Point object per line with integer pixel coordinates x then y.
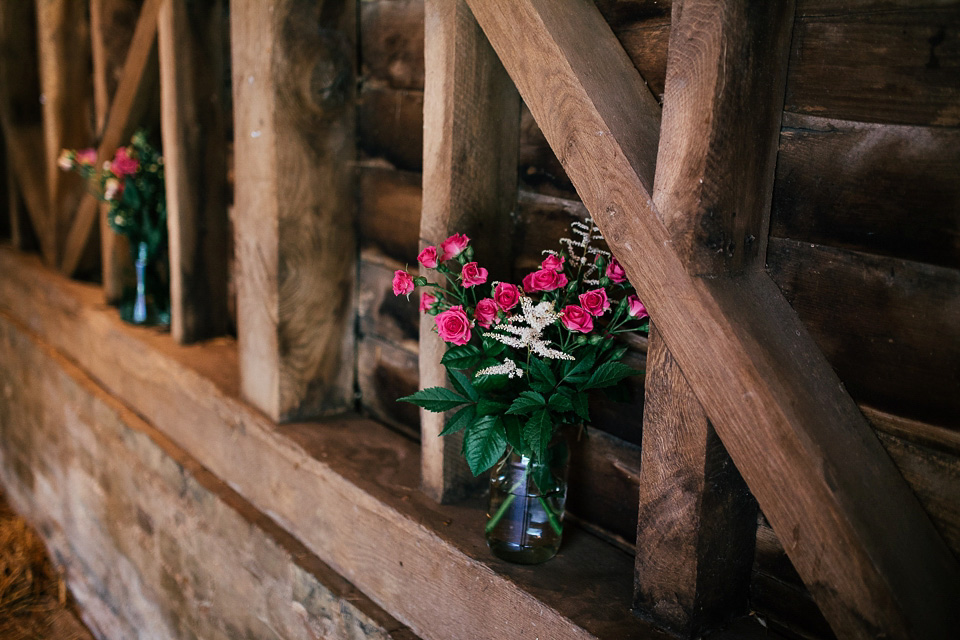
{"type": "Point", "coordinates": [385, 372]}
{"type": "Point", "coordinates": [195, 120]}
{"type": "Point", "coordinates": [112, 24]}
{"type": "Point", "coordinates": [63, 39]}
{"type": "Point", "coordinates": [21, 117]}
{"type": "Point", "coordinates": [392, 44]}
{"type": "Point", "coordinates": [390, 126]}
{"type": "Point", "coordinates": [294, 177]}
{"type": "Point", "coordinates": [862, 186]}
{"type": "Point", "coordinates": [391, 541]}
{"type": "Point", "coordinates": [132, 93]}
{"type": "Point", "coordinates": [388, 211]}
{"type": "Point", "coordinates": [892, 62]}
{"type": "Point", "coordinates": [471, 118]}
{"type": "Point", "coordinates": [889, 327]}
{"type": "Point", "coordinates": [804, 449]}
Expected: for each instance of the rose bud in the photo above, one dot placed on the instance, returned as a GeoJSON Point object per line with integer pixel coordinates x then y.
{"type": "Point", "coordinates": [428, 258]}
{"type": "Point", "coordinates": [637, 310]}
{"type": "Point", "coordinates": [453, 246]}
{"type": "Point", "coordinates": [615, 272]}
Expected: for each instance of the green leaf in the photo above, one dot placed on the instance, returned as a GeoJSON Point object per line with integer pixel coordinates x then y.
{"type": "Point", "coordinates": [462, 384]}
{"type": "Point", "coordinates": [436, 399]}
{"type": "Point", "coordinates": [514, 432]}
{"type": "Point", "coordinates": [487, 407]}
{"type": "Point", "coordinates": [581, 371]}
{"type": "Point", "coordinates": [560, 402]}
{"type": "Point", "coordinates": [484, 443]}
{"type": "Point", "coordinates": [538, 431]}
{"type": "Point", "coordinates": [463, 418]}
{"type": "Point", "coordinates": [580, 406]}
{"type": "Point", "coordinates": [608, 374]}
{"type": "Point", "coordinates": [489, 383]}
{"type": "Point", "coordinates": [493, 347]}
{"type": "Point", "coordinates": [540, 372]}
{"type": "Point", "coordinates": [464, 356]}
{"type": "Point", "coordinates": [527, 402]}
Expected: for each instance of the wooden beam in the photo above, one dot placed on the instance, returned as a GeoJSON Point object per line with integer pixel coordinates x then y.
{"type": "Point", "coordinates": [138, 75]}
{"type": "Point", "coordinates": [195, 164]}
{"type": "Point", "coordinates": [293, 83]}
{"type": "Point", "coordinates": [470, 142]}
{"type": "Point", "coordinates": [851, 525]}
{"type": "Point", "coordinates": [112, 24]}
{"type": "Point", "coordinates": [697, 523]}
{"type": "Point", "coordinates": [726, 73]}
{"type": "Point", "coordinates": [64, 49]}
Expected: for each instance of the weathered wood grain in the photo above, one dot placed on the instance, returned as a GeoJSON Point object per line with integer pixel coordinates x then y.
{"type": "Point", "coordinates": [130, 100]}
{"type": "Point", "coordinates": [379, 312]}
{"type": "Point", "coordinates": [389, 539]}
{"type": "Point", "coordinates": [294, 104]}
{"type": "Point", "coordinates": [798, 439]}
{"type": "Point", "coordinates": [385, 372]}
{"type": "Point", "coordinates": [697, 519]}
{"type": "Point", "coordinates": [882, 189]}
{"type": "Point", "coordinates": [112, 23]}
{"type": "Point", "coordinates": [63, 38]}
{"type": "Point", "coordinates": [390, 126]}
{"type": "Point", "coordinates": [889, 327]}
{"type": "Point", "coordinates": [471, 117]}
{"type": "Point", "coordinates": [391, 48]}
{"type": "Point", "coordinates": [147, 535]}
{"type": "Point", "coordinates": [195, 122]}
{"type": "Point", "coordinates": [892, 62]}
{"type": "Point", "coordinates": [388, 211]}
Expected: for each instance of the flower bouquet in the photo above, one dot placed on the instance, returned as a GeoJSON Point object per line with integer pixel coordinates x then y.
{"type": "Point", "coordinates": [132, 184]}
{"type": "Point", "coordinates": [521, 361]}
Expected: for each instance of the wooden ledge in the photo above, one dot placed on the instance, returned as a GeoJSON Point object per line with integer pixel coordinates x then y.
{"type": "Point", "coordinates": [347, 488]}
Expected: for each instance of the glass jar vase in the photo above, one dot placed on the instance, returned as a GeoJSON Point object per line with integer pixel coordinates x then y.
{"type": "Point", "coordinates": [148, 301]}
{"type": "Point", "coordinates": [527, 500]}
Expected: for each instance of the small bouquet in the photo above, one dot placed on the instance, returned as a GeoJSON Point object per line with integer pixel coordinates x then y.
{"type": "Point", "coordinates": [133, 185]}
{"type": "Point", "coordinates": [521, 359]}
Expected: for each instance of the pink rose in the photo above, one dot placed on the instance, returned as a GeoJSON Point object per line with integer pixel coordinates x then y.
{"type": "Point", "coordinates": [123, 164]}
{"type": "Point", "coordinates": [506, 295]}
{"type": "Point", "coordinates": [428, 257]}
{"type": "Point", "coordinates": [87, 157]}
{"type": "Point", "coordinates": [637, 310]}
{"type": "Point", "coordinates": [576, 319]}
{"type": "Point", "coordinates": [453, 246]}
{"type": "Point", "coordinates": [615, 272]}
{"type": "Point", "coordinates": [427, 301]}
{"type": "Point", "coordinates": [402, 283]}
{"type": "Point", "coordinates": [486, 312]}
{"type": "Point", "coordinates": [472, 275]}
{"type": "Point", "coordinates": [553, 263]}
{"type": "Point", "coordinates": [595, 302]}
{"type": "Point", "coordinates": [454, 326]}
{"type": "Point", "coordinates": [543, 280]}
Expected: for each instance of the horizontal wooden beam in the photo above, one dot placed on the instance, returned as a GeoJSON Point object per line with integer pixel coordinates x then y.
{"type": "Point", "coordinates": [136, 78]}
{"type": "Point", "coordinates": [347, 488]}
{"type": "Point", "coordinates": [854, 530]}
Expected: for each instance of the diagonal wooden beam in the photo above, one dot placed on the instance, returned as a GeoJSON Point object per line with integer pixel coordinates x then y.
{"type": "Point", "coordinates": [125, 102]}
{"type": "Point", "coordinates": [852, 527]}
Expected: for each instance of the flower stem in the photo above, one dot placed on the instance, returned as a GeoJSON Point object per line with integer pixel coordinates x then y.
{"type": "Point", "coordinates": [551, 517]}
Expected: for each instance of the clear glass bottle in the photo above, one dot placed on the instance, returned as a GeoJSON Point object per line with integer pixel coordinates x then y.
{"type": "Point", "coordinates": [527, 500]}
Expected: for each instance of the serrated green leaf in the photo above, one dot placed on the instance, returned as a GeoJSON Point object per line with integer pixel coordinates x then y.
{"type": "Point", "coordinates": [484, 443]}
{"type": "Point", "coordinates": [581, 371]}
{"type": "Point", "coordinates": [436, 399]}
{"type": "Point", "coordinates": [462, 384]}
{"type": "Point", "coordinates": [514, 432]}
{"type": "Point", "coordinates": [540, 372]}
{"type": "Point", "coordinates": [492, 347]}
{"type": "Point", "coordinates": [560, 402]}
{"type": "Point", "coordinates": [526, 402]}
{"type": "Point", "coordinates": [538, 431]}
{"type": "Point", "coordinates": [488, 407]}
{"type": "Point", "coordinates": [490, 383]}
{"type": "Point", "coordinates": [581, 406]}
{"type": "Point", "coordinates": [465, 356]}
{"type": "Point", "coordinates": [608, 374]}
{"type": "Point", "coordinates": [463, 418]}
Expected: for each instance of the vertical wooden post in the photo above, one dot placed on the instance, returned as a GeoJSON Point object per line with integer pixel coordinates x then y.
{"type": "Point", "coordinates": [293, 83]}
{"type": "Point", "coordinates": [697, 528]}
{"type": "Point", "coordinates": [111, 29]}
{"type": "Point", "coordinates": [470, 144]}
{"type": "Point", "coordinates": [697, 524]}
{"type": "Point", "coordinates": [195, 160]}
{"type": "Point", "coordinates": [63, 45]}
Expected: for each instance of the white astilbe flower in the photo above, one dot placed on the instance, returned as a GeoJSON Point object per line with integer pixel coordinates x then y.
{"type": "Point", "coordinates": [509, 368]}
{"type": "Point", "coordinates": [537, 319]}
